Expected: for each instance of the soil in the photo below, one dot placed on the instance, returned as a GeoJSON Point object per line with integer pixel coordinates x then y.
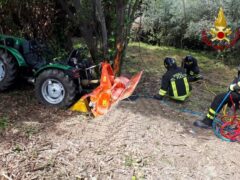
{"type": "Point", "coordinates": [142, 139]}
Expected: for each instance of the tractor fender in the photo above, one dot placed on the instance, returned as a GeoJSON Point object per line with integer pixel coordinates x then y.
{"type": "Point", "coordinates": [66, 68]}
{"type": "Point", "coordinates": [16, 54]}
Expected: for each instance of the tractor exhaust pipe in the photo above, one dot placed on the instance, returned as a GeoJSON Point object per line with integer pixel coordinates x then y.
{"type": "Point", "coordinates": [86, 82]}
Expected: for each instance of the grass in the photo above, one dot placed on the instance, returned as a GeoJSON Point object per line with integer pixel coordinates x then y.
{"type": "Point", "coordinates": [30, 130]}
{"type": "Point", "coordinates": [153, 56]}
{"type": "Point", "coordinates": [17, 149]}
{"type": "Point", "coordinates": [3, 123]}
{"type": "Point", "coordinates": [129, 161]}
{"type": "Point", "coordinates": [150, 58]}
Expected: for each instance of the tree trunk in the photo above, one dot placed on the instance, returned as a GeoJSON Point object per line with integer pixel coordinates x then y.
{"type": "Point", "coordinates": [90, 41]}
{"type": "Point", "coordinates": [123, 29]}
{"type": "Point", "coordinates": [184, 11]}
{"type": "Point", "coordinates": [120, 6]}
{"type": "Point", "coordinates": [84, 26]}
{"type": "Point", "coordinates": [101, 18]}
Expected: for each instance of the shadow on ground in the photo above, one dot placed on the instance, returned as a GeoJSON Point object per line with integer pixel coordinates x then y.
{"type": "Point", "coordinates": [23, 116]}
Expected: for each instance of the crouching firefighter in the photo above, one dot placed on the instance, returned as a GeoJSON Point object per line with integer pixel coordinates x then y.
{"type": "Point", "coordinates": [174, 82]}
{"type": "Point", "coordinates": [219, 102]}
{"type": "Point", "coordinates": [190, 64]}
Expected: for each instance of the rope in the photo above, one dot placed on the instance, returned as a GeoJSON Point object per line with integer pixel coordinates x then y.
{"type": "Point", "coordinates": [218, 121]}
{"type": "Point", "coordinates": [219, 107]}
{"type": "Point", "coordinates": [164, 102]}
{"type": "Point", "coordinates": [226, 130]}
{"type": "Point", "coordinates": [207, 88]}
{"type": "Point", "coordinates": [182, 110]}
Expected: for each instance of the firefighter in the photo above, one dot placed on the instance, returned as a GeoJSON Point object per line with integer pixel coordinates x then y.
{"type": "Point", "coordinates": [190, 64]}
{"type": "Point", "coordinates": [174, 82]}
{"type": "Point", "coordinates": [218, 103]}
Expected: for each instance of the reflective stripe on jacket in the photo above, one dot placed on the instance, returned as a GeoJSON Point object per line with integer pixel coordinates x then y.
{"type": "Point", "coordinates": [175, 83]}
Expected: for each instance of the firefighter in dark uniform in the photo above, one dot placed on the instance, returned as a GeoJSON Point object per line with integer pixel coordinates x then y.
{"type": "Point", "coordinates": [235, 93]}
{"type": "Point", "coordinates": [174, 82]}
{"type": "Point", "coordinates": [192, 69]}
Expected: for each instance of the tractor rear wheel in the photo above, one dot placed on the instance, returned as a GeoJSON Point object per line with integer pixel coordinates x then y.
{"type": "Point", "coordinates": [8, 70]}
{"type": "Point", "coordinates": [53, 87]}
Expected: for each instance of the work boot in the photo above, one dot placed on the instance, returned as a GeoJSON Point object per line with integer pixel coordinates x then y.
{"type": "Point", "coordinates": [206, 123]}
{"type": "Point", "coordinates": [158, 97]}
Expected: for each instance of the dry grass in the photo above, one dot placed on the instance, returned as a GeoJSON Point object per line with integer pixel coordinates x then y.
{"type": "Point", "coordinates": [143, 139]}
{"type": "Point", "coordinates": [150, 59]}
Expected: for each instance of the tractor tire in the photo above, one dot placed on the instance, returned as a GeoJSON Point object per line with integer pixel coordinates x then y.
{"type": "Point", "coordinates": [54, 88]}
{"type": "Point", "coordinates": [8, 70]}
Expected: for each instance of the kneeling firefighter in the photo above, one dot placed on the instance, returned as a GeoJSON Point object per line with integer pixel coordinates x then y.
{"type": "Point", "coordinates": [220, 101]}
{"type": "Point", "coordinates": [174, 82]}
{"type": "Point", "coordinates": [190, 64]}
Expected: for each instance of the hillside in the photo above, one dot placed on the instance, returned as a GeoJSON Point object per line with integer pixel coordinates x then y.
{"type": "Point", "coordinates": [150, 59]}
{"type": "Point", "coordinates": [144, 138]}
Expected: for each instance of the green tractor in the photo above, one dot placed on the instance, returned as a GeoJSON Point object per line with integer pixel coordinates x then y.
{"type": "Point", "coordinates": [56, 84]}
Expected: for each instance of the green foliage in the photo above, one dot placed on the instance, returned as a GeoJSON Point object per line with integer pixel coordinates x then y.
{"type": "Point", "coordinates": [156, 54]}
{"type": "Point", "coordinates": [3, 123]}
{"type": "Point", "coordinates": [179, 23]}
{"type": "Point", "coordinates": [168, 22]}
{"type": "Point", "coordinates": [150, 59]}
{"type": "Point", "coordinates": [102, 24]}
{"type": "Point", "coordinates": [2, 2]}
{"type": "Point", "coordinates": [59, 53]}
{"type": "Point", "coordinates": [17, 149]}
{"type": "Point", "coordinates": [129, 161]}
{"type": "Point", "coordinates": [30, 130]}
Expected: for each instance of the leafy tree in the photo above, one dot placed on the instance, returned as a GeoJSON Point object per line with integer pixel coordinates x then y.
{"type": "Point", "coordinates": [180, 22]}
{"type": "Point", "coordinates": [103, 24]}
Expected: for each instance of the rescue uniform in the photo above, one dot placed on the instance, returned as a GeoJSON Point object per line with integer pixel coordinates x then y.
{"type": "Point", "coordinates": [218, 103]}
{"type": "Point", "coordinates": [175, 83]}
{"type": "Point", "coordinates": [192, 69]}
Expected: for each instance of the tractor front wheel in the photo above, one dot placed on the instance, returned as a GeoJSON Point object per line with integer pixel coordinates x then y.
{"type": "Point", "coordinates": [55, 88]}
{"type": "Point", "coordinates": [8, 70]}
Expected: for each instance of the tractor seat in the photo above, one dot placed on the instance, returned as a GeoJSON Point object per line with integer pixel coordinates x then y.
{"type": "Point", "coordinates": [76, 58]}
{"type": "Point", "coordinates": [32, 54]}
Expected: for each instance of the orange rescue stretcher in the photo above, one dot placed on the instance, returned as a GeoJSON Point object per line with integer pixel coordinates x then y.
{"type": "Point", "coordinates": [110, 91]}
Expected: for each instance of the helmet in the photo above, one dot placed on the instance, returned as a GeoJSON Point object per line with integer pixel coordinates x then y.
{"type": "Point", "coordinates": [188, 58]}
{"type": "Point", "coordinates": [169, 63]}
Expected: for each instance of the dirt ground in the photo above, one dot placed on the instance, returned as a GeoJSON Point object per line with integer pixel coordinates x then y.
{"type": "Point", "coordinates": [140, 139]}
{"type": "Point", "coordinates": [144, 139]}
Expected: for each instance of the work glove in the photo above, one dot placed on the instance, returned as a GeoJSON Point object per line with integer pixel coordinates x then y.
{"type": "Point", "coordinates": [235, 87]}
{"type": "Point", "coordinates": [158, 97]}
{"type": "Point", "coordinates": [191, 73]}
